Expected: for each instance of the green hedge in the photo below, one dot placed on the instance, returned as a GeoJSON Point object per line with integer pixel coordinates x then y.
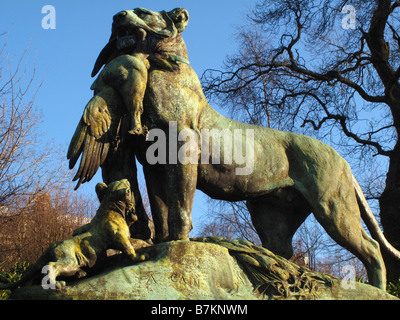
{"type": "Point", "coordinates": [14, 274]}
{"type": "Point", "coordinates": [394, 288]}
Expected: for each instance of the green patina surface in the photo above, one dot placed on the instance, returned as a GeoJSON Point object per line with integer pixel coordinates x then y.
{"type": "Point", "coordinates": [285, 177]}
{"type": "Point", "coordinates": [147, 79]}
{"type": "Point", "coordinates": [206, 269]}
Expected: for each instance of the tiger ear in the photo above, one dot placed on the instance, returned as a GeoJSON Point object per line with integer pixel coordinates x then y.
{"type": "Point", "coordinates": [101, 189]}
{"type": "Point", "coordinates": [180, 17]}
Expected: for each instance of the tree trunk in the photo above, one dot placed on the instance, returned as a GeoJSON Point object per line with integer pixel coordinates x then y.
{"type": "Point", "coordinates": [390, 213]}
{"type": "Point", "coordinates": [390, 198]}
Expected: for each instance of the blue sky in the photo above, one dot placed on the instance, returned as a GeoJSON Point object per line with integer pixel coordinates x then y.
{"type": "Point", "coordinates": [65, 56]}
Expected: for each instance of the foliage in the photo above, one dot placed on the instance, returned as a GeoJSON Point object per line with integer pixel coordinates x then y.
{"type": "Point", "coordinates": [13, 274]}
{"type": "Point", "coordinates": [52, 217]}
{"type": "Point", "coordinates": [393, 288]}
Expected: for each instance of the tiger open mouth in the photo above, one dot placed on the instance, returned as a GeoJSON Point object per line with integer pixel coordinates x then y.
{"type": "Point", "coordinates": [128, 37]}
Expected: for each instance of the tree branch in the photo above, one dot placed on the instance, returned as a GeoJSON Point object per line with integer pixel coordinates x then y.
{"type": "Point", "coordinates": [341, 119]}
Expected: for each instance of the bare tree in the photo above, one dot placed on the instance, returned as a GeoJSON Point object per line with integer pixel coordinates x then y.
{"type": "Point", "coordinates": [27, 166]}
{"type": "Point", "coordinates": [302, 67]}
{"type": "Point", "coordinates": [229, 220]}
{"type": "Point", "coordinates": [312, 247]}
{"type": "Point", "coordinates": [36, 204]}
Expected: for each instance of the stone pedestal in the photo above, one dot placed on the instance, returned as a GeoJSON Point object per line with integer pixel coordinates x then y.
{"type": "Point", "coordinates": [204, 269]}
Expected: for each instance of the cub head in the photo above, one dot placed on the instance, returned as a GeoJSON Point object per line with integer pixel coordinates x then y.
{"type": "Point", "coordinates": [117, 196]}
{"type": "Point", "coordinates": [145, 31]}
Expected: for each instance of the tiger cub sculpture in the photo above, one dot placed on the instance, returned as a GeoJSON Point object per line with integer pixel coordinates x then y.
{"type": "Point", "coordinates": [88, 245]}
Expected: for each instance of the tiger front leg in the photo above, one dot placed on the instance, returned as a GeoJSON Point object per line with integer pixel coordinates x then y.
{"type": "Point", "coordinates": [125, 246]}
{"type": "Point", "coordinates": [56, 269]}
{"type": "Point", "coordinates": [182, 182]}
